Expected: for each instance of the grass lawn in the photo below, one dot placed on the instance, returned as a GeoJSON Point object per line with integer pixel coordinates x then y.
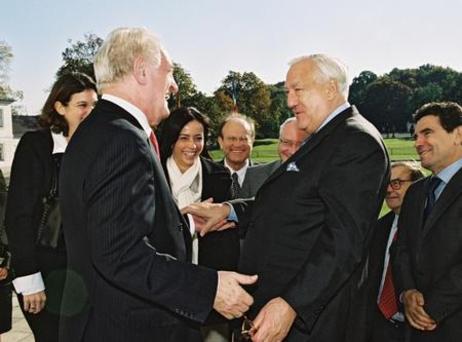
{"type": "Point", "coordinates": [265, 150]}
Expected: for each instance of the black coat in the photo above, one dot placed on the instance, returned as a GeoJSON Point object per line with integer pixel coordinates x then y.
{"type": "Point", "coordinates": [130, 276]}
{"type": "Point", "coordinates": [309, 226]}
{"type": "Point", "coordinates": [429, 257]}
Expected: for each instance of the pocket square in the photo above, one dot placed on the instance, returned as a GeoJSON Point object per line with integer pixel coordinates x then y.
{"type": "Point", "coordinates": [292, 167]}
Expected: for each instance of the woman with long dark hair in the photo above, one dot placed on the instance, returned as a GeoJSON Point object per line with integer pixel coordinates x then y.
{"type": "Point", "coordinates": [40, 268]}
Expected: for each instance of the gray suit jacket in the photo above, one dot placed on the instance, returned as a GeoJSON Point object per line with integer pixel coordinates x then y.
{"type": "Point", "coordinates": [256, 176]}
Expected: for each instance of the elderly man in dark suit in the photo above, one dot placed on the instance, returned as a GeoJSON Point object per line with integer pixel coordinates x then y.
{"type": "Point", "coordinates": [428, 262]}
{"type": "Point", "coordinates": [129, 250]}
{"type": "Point", "coordinates": [385, 318]}
{"type": "Point", "coordinates": [309, 226]}
{"type": "Point", "coordinates": [290, 140]}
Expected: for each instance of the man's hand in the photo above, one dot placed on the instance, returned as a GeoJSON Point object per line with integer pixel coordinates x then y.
{"type": "Point", "coordinates": [35, 302]}
{"type": "Point", "coordinates": [231, 300]}
{"type": "Point", "coordinates": [414, 311]}
{"type": "Point", "coordinates": [273, 322]}
{"type": "Point", "coordinates": [3, 273]}
{"type": "Point", "coordinates": [208, 216]}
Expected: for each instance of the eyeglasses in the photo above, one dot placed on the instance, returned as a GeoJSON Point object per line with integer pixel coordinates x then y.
{"type": "Point", "coordinates": [397, 183]}
{"type": "Point", "coordinates": [290, 143]}
{"type": "Point", "coordinates": [234, 140]}
{"type": "Point", "coordinates": [245, 333]}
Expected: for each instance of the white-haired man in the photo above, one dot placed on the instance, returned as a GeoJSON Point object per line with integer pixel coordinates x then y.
{"type": "Point", "coordinates": [308, 228]}
{"type": "Point", "coordinates": [290, 140]}
{"type": "Point", "coordinates": [128, 248]}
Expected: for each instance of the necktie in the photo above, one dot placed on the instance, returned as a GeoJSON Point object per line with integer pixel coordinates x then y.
{"type": "Point", "coordinates": [431, 198]}
{"type": "Point", "coordinates": [155, 144]}
{"type": "Point", "coordinates": [388, 303]}
{"type": "Point", "coordinates": [235, 187]}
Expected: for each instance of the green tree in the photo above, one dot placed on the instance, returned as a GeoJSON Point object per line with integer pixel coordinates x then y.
{"type": "Point", "coordinates": [386, 105]}
{"type": "Point", "coordinates": [359, 86]}
{"type": "Point", "coordinates": [250, 95]}
{"type": "Point", "coordinates": [186, 88]}
{"type": "Point", "coordinates": [6, 57]}
{"type": "Point", "coordinates": [79, 56]}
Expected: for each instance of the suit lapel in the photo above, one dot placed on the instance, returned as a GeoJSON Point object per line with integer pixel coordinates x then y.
{"type": "Point", "coordinates": [450, 193]}
{"type": "Point", "coordinates": [313, 142]}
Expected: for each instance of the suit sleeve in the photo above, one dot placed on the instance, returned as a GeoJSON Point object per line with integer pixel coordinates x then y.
{"type": "Point", "coordinates": [350, 193]}
{"type": "Point", "coordinates": [120, 197]}
{"type": "Point", "coordinates": [24, 204]}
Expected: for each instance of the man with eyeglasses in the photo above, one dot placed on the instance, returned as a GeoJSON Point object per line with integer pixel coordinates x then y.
{"type": "Point", "coordinates": [428, 258]}
{"type": "Point", "coordinates": [236, 137]}
{"type": "Point", "coordinates": [290, 140]}
{"type": "Point", "coordinates": [386, 321]}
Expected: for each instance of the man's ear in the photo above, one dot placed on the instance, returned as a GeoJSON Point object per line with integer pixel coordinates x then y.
{"type": "Point", "coordinates": [140, 70]}
{"type": "Point", "coordinates": [59, 108]}
{"type": "Point", "coordinates": [331, 89]}
{"type": "Point", "coordinates": [220, 142]}
{"type": "Point", "coordinates": [458, 135]}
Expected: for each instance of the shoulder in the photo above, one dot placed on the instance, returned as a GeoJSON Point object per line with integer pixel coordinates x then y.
{"type": "Point", "coordinates": [387, 219]}
{"type": "Point", "coordinates": [267, 168]}
{"type": "Point", "coordinates": [211, 167]}
{"type": "Point", "coordinates": [38, 141]}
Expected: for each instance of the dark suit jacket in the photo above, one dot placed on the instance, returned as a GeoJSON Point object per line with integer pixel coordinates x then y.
{"type": "Point", "coordinates": [30, 181]}
{"type": "Point", "coordinates": [429, 257]}
{"type": "Point", "coordinates": [129, 274]}
{"type": "Point", "coordinates": [377, 250]}
{"type": "Point", "coordinates": [309, 227]}
{"type": "Point", "coordinates": [256, 176]}
{"type": "Point", "coordinates": [218, 250]}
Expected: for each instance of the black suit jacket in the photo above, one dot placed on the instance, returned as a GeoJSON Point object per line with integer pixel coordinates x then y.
{"type": "Point", "coordinates": [429, 257]}
{"type": "Point", "coordinates": [217, 250]}
{"type": "Point", "coordinates": [30, 181]}
{"type": "Point", "coordinates": [308, 232]}
{"type": "Point", "coordinates": [129, 275]}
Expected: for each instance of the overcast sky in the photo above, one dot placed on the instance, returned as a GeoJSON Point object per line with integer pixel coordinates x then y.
{"type": "Point", "coordinates": [210, 37]}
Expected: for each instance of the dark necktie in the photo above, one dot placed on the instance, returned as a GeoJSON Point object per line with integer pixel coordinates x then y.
{"type": "Point", "coordinates": [431, 198]}
{"type": "Point", "coordinates": [388, 303]}
{"type": "Point", "coordinates": [235, 187]}
{"type": "Point", "coordinates": [155, 144]}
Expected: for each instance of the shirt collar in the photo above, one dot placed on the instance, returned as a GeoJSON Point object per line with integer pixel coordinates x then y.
{"type": "Point", "coordinates": [449, 171]}
{"type": "Point", "coordinates": [241, 172]}
{"type": "Point", "coordinates": [59, 143]}
{"type": "Point", "coordinates": [132, 110]}
{"type": "Point", "coordinates": [332, 115]}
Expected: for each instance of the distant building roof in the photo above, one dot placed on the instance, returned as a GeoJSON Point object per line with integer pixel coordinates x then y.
{"type": "Point", "coordinates": [24, 123]}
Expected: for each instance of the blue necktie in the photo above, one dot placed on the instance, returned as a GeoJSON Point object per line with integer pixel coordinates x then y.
{"type": "Point", "coordinates": [431, 198]}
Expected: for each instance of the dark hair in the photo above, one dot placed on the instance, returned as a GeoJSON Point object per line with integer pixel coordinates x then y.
{"type": "Point", "coordinates": [449, 113]}
{"type": "Point", "coordinates": [234, 116]}
{"type": "Point", "coordinates": [170, 129]}
{"type": "Point", "coordinates": [415, 170]}
{"type": "Point", "coordinates": [62, 91]}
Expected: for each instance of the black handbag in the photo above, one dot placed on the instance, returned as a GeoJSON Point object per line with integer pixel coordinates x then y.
{"type": "Point", "coordinates": [49, 229]}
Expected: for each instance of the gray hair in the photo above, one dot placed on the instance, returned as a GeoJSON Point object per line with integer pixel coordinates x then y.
{"type": "Point", "coordinates": [285, 123]}
{"type": "Point", "coordinates": [329, 68]}
{"type": "Point", "coordinates": [234, 116]}
{"type": "Point", "coordinates": [414, 168]}
{"type": "Point", "coordinates": [114, 60]}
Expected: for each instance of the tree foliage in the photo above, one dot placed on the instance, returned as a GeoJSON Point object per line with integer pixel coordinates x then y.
{"type": "Point", "coordinates": [6, 57]}
{"type": "Point", "coordinates": [79, 56]}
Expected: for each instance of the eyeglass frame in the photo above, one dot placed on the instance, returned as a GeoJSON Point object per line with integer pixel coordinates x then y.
{"type": "Point", "coordinates": [397, 183]}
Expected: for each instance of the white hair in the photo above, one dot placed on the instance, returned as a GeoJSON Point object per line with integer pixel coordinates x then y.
{"type": "Point", "coordinates": [285, 123]}
{"type": "Point", "coordinates": [329, 68]}
{"type": "Point", "coordinates": [114, 60]}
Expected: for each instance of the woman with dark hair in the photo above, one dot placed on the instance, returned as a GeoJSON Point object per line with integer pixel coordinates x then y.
{"type": "Point", "coordinates": [39, 268]}
{"type": "Point", "coordinates": [194, 177]}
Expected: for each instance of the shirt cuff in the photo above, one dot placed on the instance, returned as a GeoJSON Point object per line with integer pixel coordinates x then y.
{"type": "Point", "coordinates": [232, 213]}
{"type": "Point", "coordinates": [29, 284]}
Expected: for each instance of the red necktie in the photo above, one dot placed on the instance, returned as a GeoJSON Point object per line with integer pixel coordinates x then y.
{"type": "Point", "coordinates": [388, 303]}
{"type": "Point", "coordinates": [155, 144]}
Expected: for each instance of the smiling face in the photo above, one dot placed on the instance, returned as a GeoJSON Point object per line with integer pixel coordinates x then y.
{"type": "Point", "coordinates": [189, 145]}
{"type": "Point", "coordinates": [236, 142]}
{"type": "Point", "coordinates": [290, 140]}
{"type": "Point", "coordinates": [394, 197]}
{"type": "Point", "coordinates": [160, 86]}
{"type": "Point", "coordinates": [436, 147]}
{"type": "Point", "coordinates": [77, 109]}
{"type": "Point", "coordinates": [311, 100]}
